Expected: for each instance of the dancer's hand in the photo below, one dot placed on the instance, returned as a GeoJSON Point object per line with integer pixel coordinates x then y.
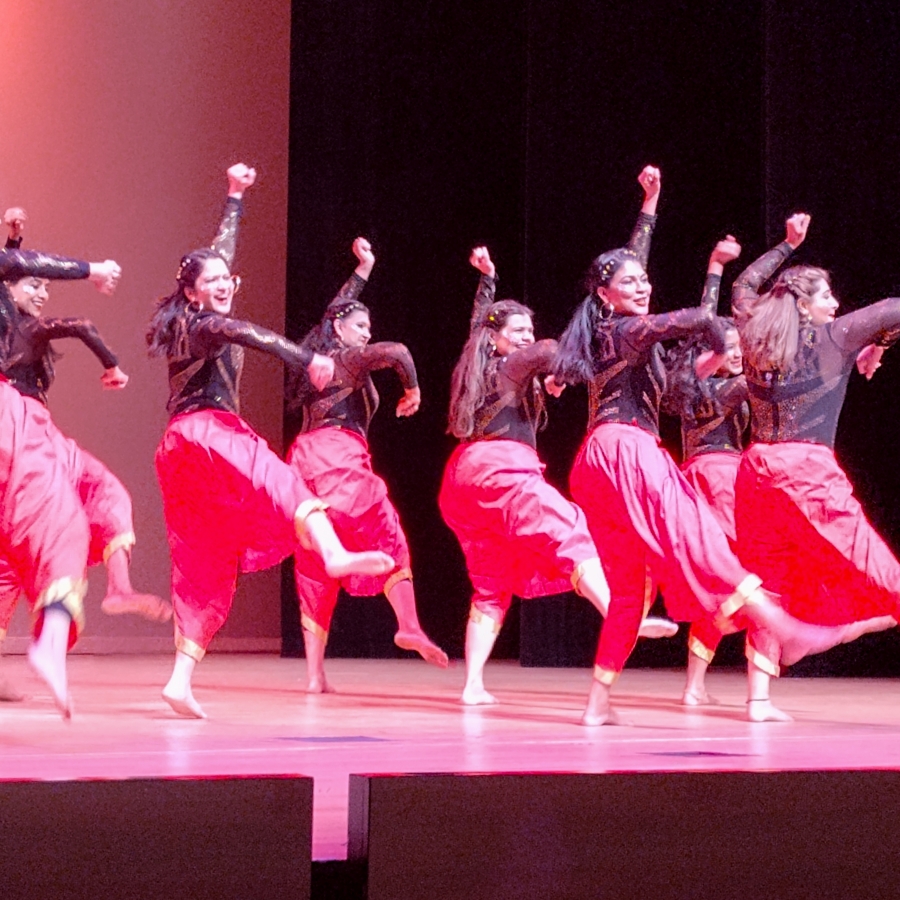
{"type": "Point", "coordinates": [481, 259]}
{"type": "Point", "coordinates": [113, 379]}
{"type": "Point", "coordinates": [409, 402]}
{"type": "Point", "coordinates": [650, 180]}
{"type": "Point", "coordinates": [14, 219]}
{"type": "Point", "coordinates": [320, 371]}
{"type": "Point", "coordinates": [553, 387]}
{"type": "Point", "coordinates": [240, 177]}
{"type": "Point", "coordinates": [723, 253]}
{"type": "Point", "coordinates": [796, 227]}
{"type": "Point", "coordinates": [105, 276]}
{"type": "Point", "coordinates": [868, 360]}
{"type": "Point", "coordinates": [708, 363]}
{"type": "Point", "coordinates": [362, 250]}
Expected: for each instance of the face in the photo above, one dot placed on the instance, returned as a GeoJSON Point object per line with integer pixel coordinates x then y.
{"type": "Point", "coordinates": [30, 295]}
{"type": "Point", "coordinates": [354, 330]}
{"type": "Point", "coordinates": [822, 305]}
{"type": "Point", "coordinates": [629, 290]}
{"type": "Point", "coordinates": [516, 334]}
{"type": "Point", "coordinates": [214, 287]}
{"type": "Point", "coordinates": [734, 358]}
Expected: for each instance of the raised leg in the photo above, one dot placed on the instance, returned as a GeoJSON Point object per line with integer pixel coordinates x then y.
{"type": "Point", "coordinates": [122, 599]}
{"type": "Point", "coordinates": [409, 634]}
{"type": "Point", "coordinates": [340, 562]}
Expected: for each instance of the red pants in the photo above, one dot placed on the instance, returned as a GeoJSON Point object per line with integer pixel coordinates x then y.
{"type": "Point", "coordinates": [802, 529]}
{"type": "Point", "coordinates": [230, 505]}
{"type": "Point", "coordinates": [519, 534]}
{"type": "Point", "coordinates": [643, 517]}
{"type": "Point", "coordinates": [336, 465]}
{"type": "Point", "coordinates": [44, 533]}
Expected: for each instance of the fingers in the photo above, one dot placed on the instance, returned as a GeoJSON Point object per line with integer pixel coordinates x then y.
{"type": "Point", "coordinates": [320, 371]}
{"type": "Point", "coordinates": [480, 258]}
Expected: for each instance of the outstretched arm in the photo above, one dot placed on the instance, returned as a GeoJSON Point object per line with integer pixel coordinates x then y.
{"type": "Point", "coordinates": [15, 264]}
{"type": "Point", "coordinates": [240, 177]}
{"type": "Point", "coordinates": [480, 258]}
{"type": "Point", "coordinates": [387, 355]}
{"type": "Point", "coordinates": [44, 330]}
{"type": "Point", "coordinates": [650, 180]}
{"type": "Point", "coordinates": [354, 285]}
{"type": "Point", "coordinates": [746, 287]}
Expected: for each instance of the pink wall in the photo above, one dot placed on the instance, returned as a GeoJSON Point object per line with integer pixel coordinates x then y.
{"type": "Point", "coordinates": [118, 122]}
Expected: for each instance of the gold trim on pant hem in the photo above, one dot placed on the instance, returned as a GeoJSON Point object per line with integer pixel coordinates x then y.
{"type": "Point", "coordinates": [304, 511]}
{"type": "Point", "coordinates": [309, 624]}
{"type": "Point", "coordinates": [699, 649]}
{"type": "Point", "coordinates": [743, 594]}
{"type": "Point", "coordinates": [483, 620]}
{"type": "Point", "coordinates": [396, 578]}
{"type": "Point", "coordinates": [582, 569]}
{"type": "Point", "coordinates": [69, 593]}
{"type": "Point", "coordinates": [124, 541]}
{"type": "Point", "coordinates": [606, 676]}
{"type": "Point", "coordinates": [189, 648]}
{"type": "Point", "coordinates": [762, 662]}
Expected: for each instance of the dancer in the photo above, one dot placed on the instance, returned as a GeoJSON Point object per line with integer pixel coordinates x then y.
{"type": "Point", "coordinates": [643, 515]}
{"type": "Point", "coordinates": [797, 520]}
{"type": "Point", "coordinates": [331, 455]}
{"type": "Point", "coordinates": [230, 503]}
{"type": "Point", "coordinates": [519, 535]}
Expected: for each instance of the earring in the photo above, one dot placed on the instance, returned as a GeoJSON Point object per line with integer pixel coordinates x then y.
{"type": "Point", "coordinates": [805, 317]}
{"type": "Point", "coordinates": [606, 309]}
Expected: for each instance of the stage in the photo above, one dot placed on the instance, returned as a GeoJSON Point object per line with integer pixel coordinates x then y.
{"type": "Point", "coordinates": [404, 716]}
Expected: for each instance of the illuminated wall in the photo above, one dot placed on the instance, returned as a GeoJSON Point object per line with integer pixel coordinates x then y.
{"type": "Point", "coordinates": [118, 122]}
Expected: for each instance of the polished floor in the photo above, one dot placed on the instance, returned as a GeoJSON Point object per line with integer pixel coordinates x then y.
{"type": "Point", "coordinates": [404, 716]}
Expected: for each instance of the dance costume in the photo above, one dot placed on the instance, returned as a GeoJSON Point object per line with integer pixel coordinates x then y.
{"type": "Point", "coordinates": [650, 524]}
{"type": "Point", "coordinates": [797, 520]}
{"type": "Point", "coordinates": [331, 455]}
{"type": "Point", "coordinates": [230, 503]}
{"type": "Point", "coordinates": [520, 536]}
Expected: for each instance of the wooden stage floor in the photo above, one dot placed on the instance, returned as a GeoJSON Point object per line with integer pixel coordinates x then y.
{"type": "Point", "coordinates": [404, 716]}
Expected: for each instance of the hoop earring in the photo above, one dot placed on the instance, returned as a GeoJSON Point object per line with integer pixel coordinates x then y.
{"type": "Point", "coordinates": [606, 309]}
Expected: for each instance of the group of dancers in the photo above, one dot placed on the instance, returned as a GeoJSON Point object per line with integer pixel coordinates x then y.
{"type": "Point", "coordinates": [757, 531]}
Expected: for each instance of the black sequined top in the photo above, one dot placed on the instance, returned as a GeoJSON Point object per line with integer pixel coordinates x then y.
{"type": "Point", "coordinates": [628, 356]}
{"type": "Point", "coordinates": [804, 403]}
{"type": "Point", "coordinates": [29, 366]}
{"type": "Point", "coordinates": [509, 409]}
{"type": "Point", "coordinates": [206, 363]}
{"type": "Point", "coordinates": [351, 399]}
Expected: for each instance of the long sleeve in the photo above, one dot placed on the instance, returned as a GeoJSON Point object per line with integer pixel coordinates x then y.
{"type": "Point", "coordinates": [45, 330]}
{"type": "Point", "coordinates": [350, 291]}
{"type": "Point", "coordinates": [13, 243]}
{"type": "Point", "coordinates": [877, 324]}
{"type": "Point", "coordinates": [746, 287]}
{"type": "Point", "coordinates": [639, 242]}
{"type": "Point", "coordinates": [710, 299]}
{"type": "Point", "coordinates": [382, 355]}
{"type": "Point", "coordinates": [642, 332]}
{"type": "Point", "coordinates": [484, 297]}
{"type": "Point", "coordinates": [15, 264]}
{"type": "Point", "coordinates": [523, 365]}
{"type": "Point", "coordinates": [209, 332]}
{"type": "Point", "coordinates": [225, 241]}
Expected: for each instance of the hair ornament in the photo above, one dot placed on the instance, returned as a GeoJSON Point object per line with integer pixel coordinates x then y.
{"type": "Point", "coordinates": [607, 270]}
{"type": "Point", "coordinates": [347, 308]}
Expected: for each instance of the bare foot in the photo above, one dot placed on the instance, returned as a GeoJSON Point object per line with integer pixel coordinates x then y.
{"type": "Point", "coordinates": [149, 606]}
{"type": "Point", "coordinates": [765, 711]}
{"type": "Point", "coordinates": [654, 627]}
{"type": "Point", "coordinates": [476, 695]}
{"type": "Point", "coordinates": [339, 565]}
{"type": "Point", "coordinates": [868, 626]}
{"type": "Point", "coordinates": [50, 664]}
{"type": "Point", "coordinates": [610, 717]}
{"type": "Point", "coordinates": [319, 685]}
{"type": "Point", "coordinates": [183, 702]}
{"type": "Point", "coordinates": [418, 641]}
{"type": "Point", "coordinates": [693, 697]}
{"type": "Point", "coordinates": [8, 692]}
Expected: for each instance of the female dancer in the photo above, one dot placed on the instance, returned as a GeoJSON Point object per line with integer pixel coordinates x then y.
{"type": "Point", "coordinates": [230, 503]}
{"type": "Point", "coordinates": [519, 535]}
{"type": "Point", "coordinates": [641, 511]}
{"type": "Point", "coordinates": [331, 455]}
{"type": "Point", "coordinates": [797, 520]}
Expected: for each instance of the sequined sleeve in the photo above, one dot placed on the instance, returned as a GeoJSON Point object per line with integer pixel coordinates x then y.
{"type": "Point", "coordinates": [225, 241]}
{"type": "Point", "coordinates": [710, 299]}
{"type": "Point", "coordinates": [15, 264]}
{"type": "Point", "coordinates": [639, 242]}
{"type": "Point", "coordinates": [359, 361]}
{"type": "Point", "coordinates": [46, 330]}
{"type": "Point", "coordinates": [484, 297]}
{"type": "Point", "coordinates": [209, 332]}
{"type": "Point", "coordinates": [350, 291]}
{"type": "Point", "coordinates": [875, 324]}
{"type": "Point", "coordinates": [13, 243]}
{"type": "Point", "coordinates": [746, 287]}
{"type": "Point", "coordinates": [642, 332]}
{"type": "Point", "coordinates": [523, 365]}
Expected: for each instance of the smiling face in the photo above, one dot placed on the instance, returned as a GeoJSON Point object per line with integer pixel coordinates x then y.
{"type": "Point", "coordinates": [354, 329]}
{"type": "Point", "coordinates": [30, 295]}
{"type": "Point", "coordinates": [822, 305]}
{"type": "Point", "coordinates": [628, 291]}
{"type": "Point", "coordinates": [516, 334]}
{"type": "Point", "coordinates": [734, 358]}
{"type": "Point", "coordinates": [214, 287]}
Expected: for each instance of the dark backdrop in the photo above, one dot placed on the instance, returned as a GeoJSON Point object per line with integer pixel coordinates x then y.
{"type": "Point", "coordinates": [431, 127]}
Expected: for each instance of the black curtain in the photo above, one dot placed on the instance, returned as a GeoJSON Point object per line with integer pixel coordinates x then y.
{"type": "Point", "coordinates": [431, 127]}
